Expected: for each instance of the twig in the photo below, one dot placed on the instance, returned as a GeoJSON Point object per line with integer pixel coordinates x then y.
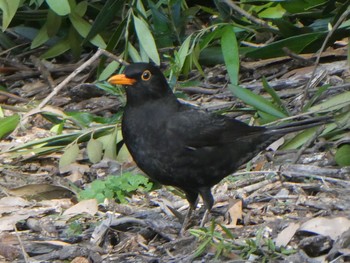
{"type": "Point", "coordinates": [68, 79]}
{"type": "Point", "coordinates": [44, 71]}
{"type": "Point", "coordinates": [25, 255]}
{"type": "Point", "coordinates": [330, 33]}
{"type": "Point", "coordinates": [114, 57]}
{"type": "Point", "coordinates": [13, 96]}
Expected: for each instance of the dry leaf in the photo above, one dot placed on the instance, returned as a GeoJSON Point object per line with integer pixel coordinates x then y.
{"type": "Point", "coordinates": [286, 235]}
{"type": "Point", "coordinates": [86, 206]}
{"type": "Point", "coordinates": [332, 227]}
{"type": "Point", "coordinates": [235, 212]}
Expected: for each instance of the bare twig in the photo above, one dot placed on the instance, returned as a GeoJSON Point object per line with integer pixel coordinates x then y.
{"type": "Point", "coordinates": [44, 71]}
{"type": "Point", "coordinates": [25, 255]}
{"type": "Point", "coordinates": [13, 96]}
{"type": "Point", "coordinates": [330, 33]}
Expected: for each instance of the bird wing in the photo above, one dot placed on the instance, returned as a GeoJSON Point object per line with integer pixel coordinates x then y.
{"type": "Point", "coordinates": [201, 129]}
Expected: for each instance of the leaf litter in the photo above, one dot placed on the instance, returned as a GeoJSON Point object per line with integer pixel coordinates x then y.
{"type": "Point", "coordinates": [274, 205]}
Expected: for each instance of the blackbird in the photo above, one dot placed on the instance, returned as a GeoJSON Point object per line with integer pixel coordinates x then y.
{"type": "Point", "coordinates": [182, 146]}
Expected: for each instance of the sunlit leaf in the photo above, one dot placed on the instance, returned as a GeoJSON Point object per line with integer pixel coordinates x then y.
{"type": "Point", "coordinates": [8, 125]}
{"type": "Point", "coordinates": [9, 8]}
{"type": "Point", "coordinates": [60, 7]}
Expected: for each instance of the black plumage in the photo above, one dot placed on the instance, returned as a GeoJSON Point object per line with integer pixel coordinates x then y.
{"type": "Point", "coordinates": [178, 145]}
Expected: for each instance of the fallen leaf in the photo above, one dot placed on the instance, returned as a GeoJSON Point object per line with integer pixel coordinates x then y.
{"type": "Point", "coordinates": [332, 227]}
{"type": "Point", "coordinates": [89, 206]}
{"type": "Point", "coordinates": [286, 235]}
{"type": "Point", "coordinates": [235, 212]}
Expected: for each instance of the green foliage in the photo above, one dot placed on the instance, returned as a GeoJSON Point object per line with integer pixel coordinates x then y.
{"type": "Point", "coordinates": [8, 125]}
{"type": "Point", "coordinates": [223, 243]}
{"type": "Point", "coordinates": [342, 156]}
{"type": "Point", "coordinates": [75, 228]}
{"type": "Point", "coordinates": [116, 187]}
{"type": "Point", "coordinates": [140, 29]}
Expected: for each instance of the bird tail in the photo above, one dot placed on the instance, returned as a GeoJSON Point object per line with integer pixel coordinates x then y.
{"type": "Point", "coordinates": [298, 125]}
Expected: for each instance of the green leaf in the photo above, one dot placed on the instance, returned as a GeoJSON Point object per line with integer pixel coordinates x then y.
{"type": "Point", "coordinates": [81, 8]}
{"type": "Point", "coordinates": [273, 12]}
{"type": "Point", "coordinates": [109, 70]}
{"type": "Point", "coordinates": [94, 150]}
{"type": "Point", "coordinates": [300, 139]}
{"type": "Point", "coordinates": [342, 156]}
{"type": "Point", "coordinates": [8, 125]}
{"type": "Point", "coordinates": [146, 39]}
{"type": "Point", "coordinates": [230, 52]}
{"type": "Point", "coordinates": [104, 17]}
{"type": "Point", "coordinates": [331, 104]}
{"type": "Point", "coordinates": [58, 49]}
{"type": "Point", "coordinates": [109, 142]}
{"type": "Point", "coordinates": [183, 52]}
{"type": "Point", "coordinates": [53, 23]}
{"type": "Point", "coordinates": [83, 28]}
{"type": "Point", "coordinates": [135, 56]}
{"type": "Point", "coordinates": [41, 37]}
{"type": "Point", "coordinates": [256, 101]}
{"type": "Point", "coordinates": [123, 154]}
{"type": "Point", "coordinates": [9, 9]}
{"type": "Point", "coordinates": [295, 43]}
{"type": "Point", "coordinates": [274, 96]}
{"type": "Point", "coordinates": [69, 156]}
{"type": "Point", "coordinates": [60, 7]}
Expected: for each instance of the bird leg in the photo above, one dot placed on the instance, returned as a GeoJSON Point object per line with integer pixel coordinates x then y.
{"type": "Point", "coordinates": [192, 198]}
{"type": "Point", "coordinates": [186, 221]}
{"type": "Point", "coordinates": [208, 201]}
{"type": "Point", "coordinates": [204, 218]}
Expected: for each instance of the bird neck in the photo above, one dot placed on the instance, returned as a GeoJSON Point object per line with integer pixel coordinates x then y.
{"type": "Point", "coordinates": [140, 97]}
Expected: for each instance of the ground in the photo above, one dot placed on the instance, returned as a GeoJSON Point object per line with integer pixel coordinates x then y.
{"type": "Point", "coordinates": [284, 206]}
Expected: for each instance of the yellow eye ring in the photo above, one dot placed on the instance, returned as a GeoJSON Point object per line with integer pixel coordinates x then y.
{"type": "Point", "coordinates": [146, 75]}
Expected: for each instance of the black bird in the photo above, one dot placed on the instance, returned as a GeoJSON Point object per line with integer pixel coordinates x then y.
{"type": "Point", "coordinates": [178, 145]}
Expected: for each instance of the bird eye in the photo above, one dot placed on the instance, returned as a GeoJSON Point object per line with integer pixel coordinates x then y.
{"type": "Point", "coordinates": [146, 75]}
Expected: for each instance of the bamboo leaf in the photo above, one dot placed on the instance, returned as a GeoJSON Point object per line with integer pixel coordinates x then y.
{"type": "Point", "coordinates": [256, 101]}
{"type": "Point", "coordinates": [9, 9]}
{"type": "Point", "coordinates": [60, 7]}
{"type": "Point", "coordinates": [8, 125]}
{"type": "Point", "coordinates": [146, 39]}
{"type": "Point", "coordinates": [230, 52]}
{"type": "Point", "coordinates": [69, 156]}
{"type": "Point", "coordinates": [334, 103]}
{"type": "Point", "coordinates": [83, 28]}
{"type": "Point", "coordinates": [94, 150]}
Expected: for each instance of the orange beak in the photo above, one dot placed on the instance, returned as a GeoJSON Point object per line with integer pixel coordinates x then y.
{"type": "Point", "coordinates": [121, 79]}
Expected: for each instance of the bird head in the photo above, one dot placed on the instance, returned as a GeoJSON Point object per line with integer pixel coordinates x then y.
{"type": "Point", "coordinates": [143, 81]}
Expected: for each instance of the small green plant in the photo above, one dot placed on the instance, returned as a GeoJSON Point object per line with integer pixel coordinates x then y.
{"type": "Point", "coordinates": [117, 187]}
{"type": "Point", "coordinates": [75, 228]}
{"type": "Point", "coordinates": [224, 243]}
